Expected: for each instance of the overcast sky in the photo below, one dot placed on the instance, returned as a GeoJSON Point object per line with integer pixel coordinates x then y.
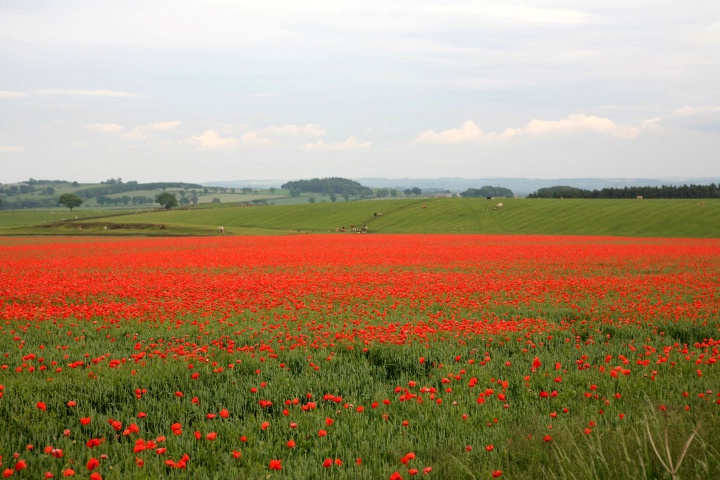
{"type": "Point", "coordinates": [284, 89]}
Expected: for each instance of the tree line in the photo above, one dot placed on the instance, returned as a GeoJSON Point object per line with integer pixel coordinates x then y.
{"type": "Point", "coordinates": [488, 191]}
{"type": "Point", "coordinates": [112, 188]}
{"type": "Point", "coordinates": [328, 186]}
{"type": "Point", "coordinates": [664, 191]}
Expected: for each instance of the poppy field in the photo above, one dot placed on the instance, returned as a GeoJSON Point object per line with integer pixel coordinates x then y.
{"type": "Point", "coordinates": [360, 356]}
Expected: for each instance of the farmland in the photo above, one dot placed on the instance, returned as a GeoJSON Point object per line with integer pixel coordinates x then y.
{"type": "Point", "coordinates": [637, 218]}
{"type": "Point", "coordinates": [359, 356]}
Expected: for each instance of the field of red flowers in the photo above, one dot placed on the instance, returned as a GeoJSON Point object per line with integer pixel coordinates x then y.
{"type": "Point", "coordinates": [360, 356]}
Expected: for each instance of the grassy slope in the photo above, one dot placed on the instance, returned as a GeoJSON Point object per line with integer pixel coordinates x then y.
{"type": "Point", "coordinates": [638, 218]}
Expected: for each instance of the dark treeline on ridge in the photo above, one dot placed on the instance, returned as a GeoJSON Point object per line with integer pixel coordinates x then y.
{"type": "Point", "coordinates": [48, 188]}
{"type": "Point", "coordinates": [109, 189]}
{"type": "Point", "coordinates": [665, 191]}
{"type": "Point", "coordinates": [330, 186]}
{"type": "Point", "coordinates": [488, 191]}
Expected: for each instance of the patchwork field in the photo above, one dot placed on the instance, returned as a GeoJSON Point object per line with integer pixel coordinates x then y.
{"type": "Point", "coordinates": [678, 218]}
{"type": "Point", "coordinates": [360, 357]}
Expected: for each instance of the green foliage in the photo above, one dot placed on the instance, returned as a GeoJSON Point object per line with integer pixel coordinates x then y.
{"type": "Point", "coordinates": [333, 185]}
{"type": "Point", "coordinates": [111, 188]}
{"type": "Point", "coordinates": [70, 200]}
{"type": "Point", "coordinates": [651, 218]}
{"type": "Point", "coordinates": [488, 191]}
{"type": "Point", "coordinates": [665, 191]}
{"type": "Point", "coordinates": [167, 200]}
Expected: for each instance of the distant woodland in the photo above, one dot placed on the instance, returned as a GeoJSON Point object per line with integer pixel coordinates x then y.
{"type": "Point", "coordinates": [665, 191]}
{"type": "Point", "coordinates": [488, 191]}
{"type": "Point", "coordinates": [330, 186]}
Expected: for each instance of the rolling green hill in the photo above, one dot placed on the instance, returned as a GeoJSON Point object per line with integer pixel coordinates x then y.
{"type": "Point", "coordinates": [636, 218]}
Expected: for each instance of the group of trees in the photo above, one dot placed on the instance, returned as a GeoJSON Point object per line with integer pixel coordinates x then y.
{"type": "Point", "coordinates": [328, 186]}
{"type": "Point", "coordinates": [166, 199]}
{"type": "Point", "coordinates": [665, 191]}
{"type": "Point", "coordinates": [21, 189]}
{"type": "Point", "coordinates": [118, 187]}
{"type": "Point", "coordinates": [413, 191]}
{"type": "Point", "coordinates": [488, 191]}
{"type": "Point", "coordinates": [384, 192]}
{"type": "Point", "coordinates": [103, 200]}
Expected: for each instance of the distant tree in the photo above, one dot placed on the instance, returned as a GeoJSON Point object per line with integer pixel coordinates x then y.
{"type": "Point", "coordinates": [488, 191]}
{"type": "Point", "coordinates": [272, 190]}
{"type": "Point", "coordinates": [215, 200]}
{"type": "Point", "coordinates": [48, 191]}
{"type": "Point", "coordinates": [75, 184]}
{"type": "Point", "coordinates": [167, 200]}
{"type": "Point", "coordinates": [346, 196]}
{"type": "Point", "coordinates": [125, 199]}
{"type": "Point", "coordinates": [393, 193]}
{"type": "Point", "coordinates": [70, 200]}
{"type": "Point", "coordinates": [326, 186]}
{"type": "Point", "coordinates": [407, 192]}
{"type": "Point", "coordinates": [311, 199]}
{"type": "Point", "coordinates": [382, 192]}
{"type": "Point", "coordinates": [416, 191]}
{"type": "Point", "coordinates": [333, 197]}
{"type": "Point", "coordinates": [185, 201]}
{"type": "Point", "coordinates": [295, 192]}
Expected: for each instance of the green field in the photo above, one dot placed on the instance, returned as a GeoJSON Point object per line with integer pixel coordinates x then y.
{"type": "Point", "coordinates": [633, 218]}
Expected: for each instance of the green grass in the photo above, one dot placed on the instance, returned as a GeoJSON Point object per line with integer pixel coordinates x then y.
{"type": "Point", "coordinates": [635, 218]}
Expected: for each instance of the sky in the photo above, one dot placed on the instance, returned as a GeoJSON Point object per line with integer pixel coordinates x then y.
{"type": "Point", "coordinates": [154, 90]}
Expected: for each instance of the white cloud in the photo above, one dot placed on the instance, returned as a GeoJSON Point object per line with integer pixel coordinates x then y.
{"type": "Point", "coordinates": [89, 93]}
{"type": "Point", "coordinates": [309, 130]}
{"type": "Point", "coordinates": [254, 139]}
{"type": "Point", "coordinates": [468, 133]}
{"type": "Point", "coordinates": [579, 123]}
{"type": "Point", "coordinates": [350, 144]}
{"type": "Point", "coordinates": [211, 140]}
{"type": "Point", "coordinates": [11, 94]}
{"type": "Point", "coordinates": [104, 127]}
{"type": "Point", "coordinates": [8, 149]}
{"type": "Point", "coordinates": [271, 136]}
{"type": "Point", "coordinates": [704, 117]}
{"type": "Point", "coordinates": [572, 124]}
{"type": "Point", "coordinates": [143, 131]}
